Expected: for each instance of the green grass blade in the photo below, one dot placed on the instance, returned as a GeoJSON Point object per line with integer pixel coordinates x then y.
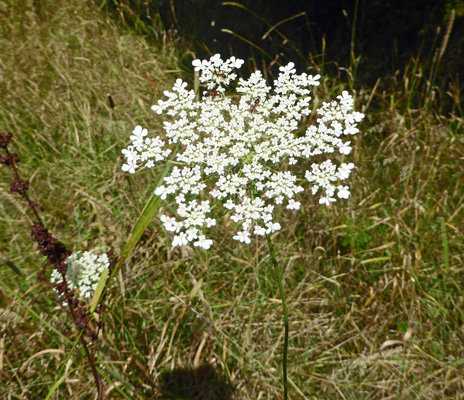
{"type": "Point", "coordinates": [144, 219]}
{"type": "Point", "coordinates": [444, 239]}
{"type": "Point", "coordinates": [57, 383]}
{"type": "Point", "coordinates": [99, 290]}
{"type": "Point", "coordinates": [33, 313]}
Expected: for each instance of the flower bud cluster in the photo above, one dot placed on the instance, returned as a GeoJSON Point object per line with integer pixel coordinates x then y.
{"type": "Point", "coordinates": [237, 151]}
{"type": "Point", "coordinates": [83, 272]}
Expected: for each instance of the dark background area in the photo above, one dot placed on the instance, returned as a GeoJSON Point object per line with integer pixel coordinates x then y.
{"type": "Point", "coordinates": [377, 38]}
{"type": "Point", "coordinates": [388, 32]}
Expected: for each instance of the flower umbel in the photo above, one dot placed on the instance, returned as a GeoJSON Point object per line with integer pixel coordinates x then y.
{"type": "Point", "coordinates": [83, 272]}
{"type": "Point", "coordinates": [237, 151]}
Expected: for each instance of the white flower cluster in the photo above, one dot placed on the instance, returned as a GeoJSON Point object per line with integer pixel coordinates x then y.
{"type": "Point", "coordinates": [237, 150]}
{"type": "Point", "coordinates": [216, 72]}
{"type": "Point", "coordinates": [83, 273]}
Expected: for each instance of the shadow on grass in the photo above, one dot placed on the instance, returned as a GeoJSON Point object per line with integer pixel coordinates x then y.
{"type": "Point", "coordinates": [201, 383]}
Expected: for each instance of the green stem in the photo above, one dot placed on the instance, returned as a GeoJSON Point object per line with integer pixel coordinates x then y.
{"type": "Point", "coordinates": [284, 307]}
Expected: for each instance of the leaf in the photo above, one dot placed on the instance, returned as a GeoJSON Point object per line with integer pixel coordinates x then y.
{"type": "Point", "coordinates": [195, 289]}
{"type": "Point", "coordinates": [99, 290]}
{"type": "Point", "coordinates": [153, 204]}
{"type": "Point", "coordinates": [55, 386]}
{"type": "Point", "coordinates": [375, 259]}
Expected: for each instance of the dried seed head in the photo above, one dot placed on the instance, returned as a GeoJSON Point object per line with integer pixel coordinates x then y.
{"type": "Point", "coordinates": [19, 186]}
{"type": "Point", "coordinates": [5, 140]}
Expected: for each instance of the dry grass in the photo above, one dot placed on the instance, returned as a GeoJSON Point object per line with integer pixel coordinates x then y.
{"type": "Point", "coordinates": [374, 284]}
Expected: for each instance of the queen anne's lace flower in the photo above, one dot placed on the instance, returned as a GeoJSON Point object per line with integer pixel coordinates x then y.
{"type": "Point", "coordinates": [240, 148]}
{"type": "Point", "coordinates": [83, 273]}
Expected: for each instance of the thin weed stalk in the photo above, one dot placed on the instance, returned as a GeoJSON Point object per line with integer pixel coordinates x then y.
{"type": "Point", "coordinates": [56, 253]}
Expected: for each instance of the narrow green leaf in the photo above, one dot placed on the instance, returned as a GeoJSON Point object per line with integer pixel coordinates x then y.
{"type": "Point", "coordinates": [32, 312]}
{"type": "Point", "coordinates": [63, 364]}
{"type": "Point", "coordinates": [375, 259]}
{"type": "Point", "coordinates": [99, 290]}
{"type": "Point", "coordinates": [55, 385]}
{"type": "Point", "coordinates": [194, 291]}
{"type": "Point", "coordinates": [444, 239]}
{"type": "Point", "coordinates": [145, 218]}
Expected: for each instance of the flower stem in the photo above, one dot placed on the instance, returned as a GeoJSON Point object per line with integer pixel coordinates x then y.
{"type": "Point", "coordinates": [284, 307]}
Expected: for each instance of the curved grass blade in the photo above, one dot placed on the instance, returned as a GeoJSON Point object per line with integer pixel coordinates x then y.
{"type": "Point", "coordinates": [144, 219]}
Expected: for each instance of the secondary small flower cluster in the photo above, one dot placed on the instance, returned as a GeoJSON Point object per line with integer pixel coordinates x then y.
{"type": "Point", "coordinates": [83, 272]}
{"type": "Point", "coordinates": [238, 150]}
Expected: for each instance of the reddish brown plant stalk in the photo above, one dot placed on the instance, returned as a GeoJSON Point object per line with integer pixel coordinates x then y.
{"type": "Point", "coordinates": [56, 253]}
